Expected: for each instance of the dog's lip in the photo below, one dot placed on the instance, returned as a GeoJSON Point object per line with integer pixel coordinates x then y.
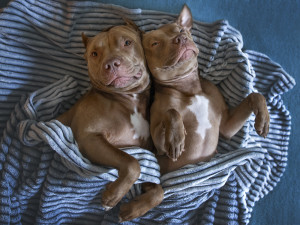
{"type": "Point", "coordinates": [183, 52]}
{"type": "Point", "coordinates": [139, 74]}
{"type": "Point", "coordinates": [125, 78]}
{"type": "Point", "coordinates": [186, 55]}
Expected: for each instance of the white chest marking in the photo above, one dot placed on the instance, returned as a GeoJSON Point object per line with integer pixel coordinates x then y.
{"type": "Point", "coordinates": [140, 125]}
{"type": "Point", "coordinates": [199, 108]}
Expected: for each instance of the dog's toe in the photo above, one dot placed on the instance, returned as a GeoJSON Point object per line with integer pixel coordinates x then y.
{"type": "Point", "coordinates": [107, 208]}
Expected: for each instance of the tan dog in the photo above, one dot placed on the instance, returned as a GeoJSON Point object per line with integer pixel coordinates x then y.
{"type": "Point", "coordinates": [189, 112]}
{"type": "Point", "coordinates": [114, 114]}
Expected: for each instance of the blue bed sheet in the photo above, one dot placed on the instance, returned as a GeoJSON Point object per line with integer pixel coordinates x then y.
{"type": "Point", "coordinates": [270, 27]}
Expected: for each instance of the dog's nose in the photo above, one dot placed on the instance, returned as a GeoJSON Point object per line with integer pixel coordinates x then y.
{"type": "Point", "coordinates": [180, 39]}
{"type": "Point", "coordinates": [112, 64]}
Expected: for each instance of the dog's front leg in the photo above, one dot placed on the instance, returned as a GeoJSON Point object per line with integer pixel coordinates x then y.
{"type": "Point", "coordinates": [99, 151]}
{"type": "Point", "coordinates": [169, 135]}
{"type": "Point", "coordinates": [232, 121]}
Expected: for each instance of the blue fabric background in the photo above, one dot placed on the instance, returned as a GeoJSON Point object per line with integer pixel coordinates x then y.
{"type": "Point", "coordinates": [270, 27]}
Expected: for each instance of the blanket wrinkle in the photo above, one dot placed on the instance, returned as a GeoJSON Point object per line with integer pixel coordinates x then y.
{"type": "Point", "coordinates": [44, 177]}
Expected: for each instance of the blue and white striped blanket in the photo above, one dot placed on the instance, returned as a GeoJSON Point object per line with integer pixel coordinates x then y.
{"type": "Point", "coordinates": [44, 178]}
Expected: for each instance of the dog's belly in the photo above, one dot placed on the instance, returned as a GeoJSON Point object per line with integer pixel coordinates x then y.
{"type": "Point", "coordinates": [126, 134]}
{"type": "Point", "coordinates": [122, 129]}
{"type": "Point", "coordinates": [129, 129]}
{"type": "Point", "coordinates": [196, 150]}
{"type": "Point", "coordinates": [202, 132]}
{"type": "Point", "coordinates": [120, 125]}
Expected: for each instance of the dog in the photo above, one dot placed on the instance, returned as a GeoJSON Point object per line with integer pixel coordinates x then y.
{"type": "Point", "coordinates": [115, 114]}
{"type": "Point", "coordinates": [189, 113]}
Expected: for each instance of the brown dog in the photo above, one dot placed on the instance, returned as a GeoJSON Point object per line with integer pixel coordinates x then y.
{"type": "Point", "coordinates": [114, 114]}
{"type": "Point", "coordinates": [189, 112]}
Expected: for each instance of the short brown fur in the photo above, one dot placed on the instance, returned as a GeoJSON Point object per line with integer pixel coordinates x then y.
{"type": "Point", "coordinates": [189, 112]}
{"type": "Point", "coordinates": [101, 120]}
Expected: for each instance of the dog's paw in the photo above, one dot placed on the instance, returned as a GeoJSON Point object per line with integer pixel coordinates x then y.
{"type": "Point", "coordinates": [111, 196]}
{"type": "Point", "coordinates": [130, 211]}
{"type": "Point", "coordinates": [262, 117]}
{"type": "Point", "coordinates": [141, 204]}
{"type": "Point", "coordinates": [174, 134]}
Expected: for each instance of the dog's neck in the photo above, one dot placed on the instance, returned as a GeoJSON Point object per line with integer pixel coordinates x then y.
{"type": "Point", "coordinates": [128, 100]}
{"type": "Point", "coordinates": [188, 84]}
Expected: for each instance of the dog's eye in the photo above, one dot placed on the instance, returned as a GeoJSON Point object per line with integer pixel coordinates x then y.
{"type": "Point", "coordinates": [155, 43]}
{"type": "Point", "coordinates": [181, 30]}
{"type": "Point", "coordinates": [94, 54]}
{"type": "Point", "coordinates": [127, 43]}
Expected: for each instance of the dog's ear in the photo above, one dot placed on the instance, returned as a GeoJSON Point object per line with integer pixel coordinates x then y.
{"type": "Point", "coordinates": [85, 39]}
{"type": "Point", "coordinates": [131, 24]}
{"type": "Point", "coordinates": [185, 19]}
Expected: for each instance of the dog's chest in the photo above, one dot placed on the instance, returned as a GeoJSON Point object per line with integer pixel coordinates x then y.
{"type": "Point", "coordinates": [140, 126]}
{"type": "Point", "coordinates": [199, 107]}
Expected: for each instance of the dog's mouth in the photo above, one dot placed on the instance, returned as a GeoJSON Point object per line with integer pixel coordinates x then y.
{"type": "Point", "coordinates": [181, 56]}
{"type": "Point", "coordinates": [123, 81]}
{"type": "Point", "coordinates": [186, 55]}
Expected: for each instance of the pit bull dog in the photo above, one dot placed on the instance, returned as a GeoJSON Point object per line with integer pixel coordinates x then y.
{"type": "Point", "coordinates": [189, 112]}
{"type": "Point", "coordinates": [114, 114]}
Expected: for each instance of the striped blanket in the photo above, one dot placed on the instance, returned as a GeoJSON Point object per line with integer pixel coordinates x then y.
{"type": "Point", "coordinates": [44, 178]}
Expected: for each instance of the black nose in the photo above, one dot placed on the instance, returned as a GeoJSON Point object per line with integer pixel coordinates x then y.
{"type": "Point", "coordinates": [112, 64]}
{"type": "Point", "coordinates": [180, 39]}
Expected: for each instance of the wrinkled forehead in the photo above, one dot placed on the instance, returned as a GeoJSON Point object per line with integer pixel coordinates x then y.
{"type": "Point", "coordinates": [115, 35]}
{"type": "Point", "coordinates": [165, 30]}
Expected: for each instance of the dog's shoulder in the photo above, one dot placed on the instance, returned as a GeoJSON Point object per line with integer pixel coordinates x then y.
{"type": "Point", "coordinates": [213, 93]}
{"type": "Point", "coordinates": [209, 88]}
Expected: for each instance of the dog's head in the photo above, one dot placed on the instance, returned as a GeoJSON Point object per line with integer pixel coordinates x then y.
{"type": "Point", "coordinates": [116, 61]}
{"type": "Point", "coordinates": [170, 50]}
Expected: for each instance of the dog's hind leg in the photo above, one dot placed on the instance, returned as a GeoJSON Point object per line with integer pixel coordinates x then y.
{"type": "Point", "coordinates": [152, 195]}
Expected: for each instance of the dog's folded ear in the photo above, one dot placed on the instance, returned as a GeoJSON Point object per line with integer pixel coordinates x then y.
{"type": "Point", "coordinates": [185, 19]}
{"type": "Point", "coordinates": [85, 39]}
{"type": "Point", "coordinates": [131, 24]}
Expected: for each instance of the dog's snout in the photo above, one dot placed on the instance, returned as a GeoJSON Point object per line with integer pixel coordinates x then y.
{"type": "Point", "coordinates": [180, 39]}
{"type": "Point", "coordinates": [112, 64]}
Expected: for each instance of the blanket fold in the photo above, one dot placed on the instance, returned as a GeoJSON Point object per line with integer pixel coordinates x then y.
{"type": "Point", "coordinates": [43, 177]}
